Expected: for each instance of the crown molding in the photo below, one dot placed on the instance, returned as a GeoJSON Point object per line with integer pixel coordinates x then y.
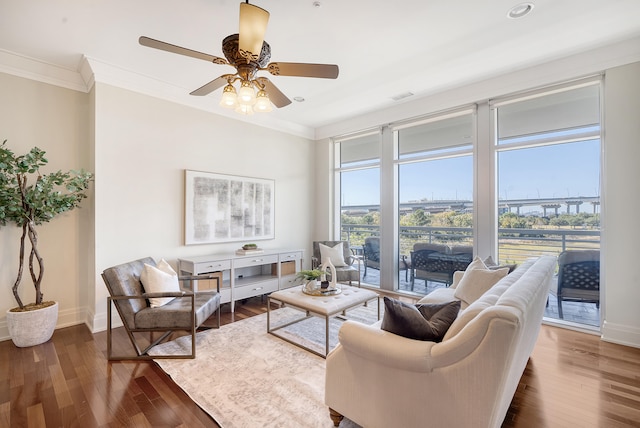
{"type": "Point", "coordinates": [33, 69]}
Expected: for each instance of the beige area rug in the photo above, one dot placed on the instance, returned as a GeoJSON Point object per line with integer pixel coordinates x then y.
{"type": "Point", "coordinates": [244, 377]}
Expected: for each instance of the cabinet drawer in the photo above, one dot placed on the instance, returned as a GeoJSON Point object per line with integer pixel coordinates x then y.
{"type": "Point", "coordinates": [293, 256]}
{"type": "Point", "coordinates": [255, 261]}
{"type": "Point", "coordinates": [213, 266]}
{"type": "Point", "coordinates": [255, 289]}
{"type": "Point", "coordinates": [289, 281]}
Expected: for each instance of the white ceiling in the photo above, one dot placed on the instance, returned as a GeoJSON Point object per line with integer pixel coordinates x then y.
{"type": "Point", "coordinates": [383, 48]}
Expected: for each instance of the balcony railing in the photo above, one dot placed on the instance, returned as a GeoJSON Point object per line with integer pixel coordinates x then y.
{"type": "Point", "coordinates": [514, 245]}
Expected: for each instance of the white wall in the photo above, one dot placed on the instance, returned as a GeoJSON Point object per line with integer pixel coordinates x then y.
{"type": "Point", "coordinates": [144, 144]}
{"type": "Point", "coordinates": [621, 205]}
{"type": "Point", "coordinates": [54, 119]}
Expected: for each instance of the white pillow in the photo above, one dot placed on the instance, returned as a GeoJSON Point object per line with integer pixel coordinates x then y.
{"type": "Point", "coordinates": [335, 253]}
{"type": "Point", "coordinates": [477, 279]}
{"type": "Point", "coordinates": [159, 279]}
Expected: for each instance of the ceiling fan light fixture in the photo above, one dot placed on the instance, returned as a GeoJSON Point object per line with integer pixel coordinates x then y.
{"type": "Point", "coordinates": [246, 94]}
{"type": "Point", "coordinates": [229, 97]}
{"type": "Point", "coordinates": [263, 103]}
{"type": "Point", "coordinates": [244, 109]}
{"type": "Point", "coordinates": [253, 26]}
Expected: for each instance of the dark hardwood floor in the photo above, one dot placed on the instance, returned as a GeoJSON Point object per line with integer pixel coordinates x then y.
{"type": "Point", "coordinates": [572, 380]}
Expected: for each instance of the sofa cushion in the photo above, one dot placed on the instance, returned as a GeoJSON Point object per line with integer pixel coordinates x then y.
{"type": "Point", "coordinates": [421, 322]}
{"type": "Point", "coordinates": [336, 254]}
{"type": "Point", "coordinates": [158, 280]}
{"type": "Point", "coordinates": [477, 279]}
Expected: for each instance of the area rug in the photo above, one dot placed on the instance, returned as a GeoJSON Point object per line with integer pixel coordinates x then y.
{"type": "Point", "coordinates": [244, 377]}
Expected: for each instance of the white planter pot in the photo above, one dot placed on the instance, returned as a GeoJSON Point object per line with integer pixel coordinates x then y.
{"type": "Point", "coordinates": [32, 327]}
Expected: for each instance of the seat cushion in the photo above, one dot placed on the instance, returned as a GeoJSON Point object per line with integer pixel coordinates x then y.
{"type": "Point", "coordinates": [177, 313]}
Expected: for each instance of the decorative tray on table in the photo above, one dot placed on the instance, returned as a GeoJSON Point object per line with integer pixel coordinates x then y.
{"type": "Point", "coordinates": [322, 291]}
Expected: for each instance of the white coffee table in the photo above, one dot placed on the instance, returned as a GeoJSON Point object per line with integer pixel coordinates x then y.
{"type": "Point", "coordinates": [322, 306]}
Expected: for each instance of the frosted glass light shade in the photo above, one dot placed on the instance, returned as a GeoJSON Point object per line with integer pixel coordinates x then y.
{"type": "Point", "coordinates": [244, 109]}
{"type": "Point", "coordinates": [246, 94]}
{"type": "Point", "coordinates": [229, 97]}
{"type": "Point", "coordinates": [263, 104]}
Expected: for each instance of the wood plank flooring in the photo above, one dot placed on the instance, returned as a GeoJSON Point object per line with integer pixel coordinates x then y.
{"type": "Point", "coordinates": [572, 380]}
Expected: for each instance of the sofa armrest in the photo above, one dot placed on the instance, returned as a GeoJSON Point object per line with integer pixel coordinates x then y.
{"type": "Point", "coordinates": [386, 348]}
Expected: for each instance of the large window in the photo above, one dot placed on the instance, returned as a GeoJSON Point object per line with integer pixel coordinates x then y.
{"type": "Point", "coordinates": [358, 175]}
{"type": "Point", "coordinates": [509, 178]}
{"type": "Point", "coordinates": [435, 193]}
{"type": "Point", "coordinates": [548, 165]}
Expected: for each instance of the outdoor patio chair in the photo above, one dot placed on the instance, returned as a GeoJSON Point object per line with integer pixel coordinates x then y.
{"type": "Point", "coordinates": [187, 311]}
{"type": "Point", "coordinates": [578, 277]}
{"type": "Point", "coordinates": [349, 272]}
{"type": "Point", "coordinates": [371, 257]}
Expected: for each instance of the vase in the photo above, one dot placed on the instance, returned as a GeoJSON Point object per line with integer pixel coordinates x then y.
{"type": "Point", "coordinates": [32, 328]}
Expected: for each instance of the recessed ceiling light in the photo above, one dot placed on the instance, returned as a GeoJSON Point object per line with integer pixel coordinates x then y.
{"type": "Point", "coordinates": [520, 10]}
{"type": "Point", "coordinates": [298, 99]}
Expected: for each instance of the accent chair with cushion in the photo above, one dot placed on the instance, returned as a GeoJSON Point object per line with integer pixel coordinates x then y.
{"type": "Point", "coordinates": [149, 300]}
{"type": "Point", "coordinates": [341, 257]}
{"type": "Point", "coordinates": [578, 277]}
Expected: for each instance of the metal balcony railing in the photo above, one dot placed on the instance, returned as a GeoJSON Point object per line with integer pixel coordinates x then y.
{"type": "Point", "coordinates": [514, 245]}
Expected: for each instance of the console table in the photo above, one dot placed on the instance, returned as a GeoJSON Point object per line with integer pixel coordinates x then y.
{"type": "Point", "coordinates": [244, 276]}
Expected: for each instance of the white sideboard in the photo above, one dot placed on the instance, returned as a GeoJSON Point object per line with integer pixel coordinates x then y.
{"type": "Point", "coordinates": [244, 276]}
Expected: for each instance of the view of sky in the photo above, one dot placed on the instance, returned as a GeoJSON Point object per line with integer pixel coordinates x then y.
{"type": "Point", "coordinates": [562, 170]}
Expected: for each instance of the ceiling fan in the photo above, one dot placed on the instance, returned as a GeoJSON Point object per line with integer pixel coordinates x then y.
{"type": "Point", "coordinates": [248, 53]}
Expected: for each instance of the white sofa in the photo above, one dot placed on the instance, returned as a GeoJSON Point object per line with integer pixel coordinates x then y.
{"type": "Point", "coordinates": [378, 379]}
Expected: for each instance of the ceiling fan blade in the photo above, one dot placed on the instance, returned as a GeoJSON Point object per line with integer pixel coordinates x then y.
{"type": "Point", "coordinates": [275, 95]}
{"type": "Point", "coordinates": [326, 71]}
{"type": "Point", "coordinates": [157, 44]}
{"type": "Point", "coordinates": [253, 25]}
{"type": "Point", "coordinates": [212, 86]}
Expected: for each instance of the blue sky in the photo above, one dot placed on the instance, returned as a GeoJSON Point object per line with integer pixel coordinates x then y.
{"type": "Point", "coordinates": [561, 170]}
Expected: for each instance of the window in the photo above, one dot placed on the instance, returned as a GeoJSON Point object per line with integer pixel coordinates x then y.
{"type": "Point", "coordinates": [435, 189]}
{"type": "Point", "coordinates": [358, 176]}
{"type": "Point", "coordinates": [548, 167]}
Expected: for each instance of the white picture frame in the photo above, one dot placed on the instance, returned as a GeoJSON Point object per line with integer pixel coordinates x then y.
{"type": "Point", "coordinates": [227, 208]}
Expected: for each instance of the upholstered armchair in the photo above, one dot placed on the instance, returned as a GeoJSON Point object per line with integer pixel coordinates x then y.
{"type": "Point", "coordinates": [186, 310]}
{"type": "Point", "coordinates": [347, 265]}
{"type": "Point", "coordinates": [578, 277]}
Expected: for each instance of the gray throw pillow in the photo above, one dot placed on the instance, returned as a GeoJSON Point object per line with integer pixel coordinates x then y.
{"type": "Point", "coordinates": [426, 321]}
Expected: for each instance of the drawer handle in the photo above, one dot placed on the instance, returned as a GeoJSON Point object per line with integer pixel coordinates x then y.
{"type": "Point", "coordinates": [256, 260]}
{"type": "Point", "coordinates": [259, 288]}
{"type": "Point", "coordinates": [214, 265]}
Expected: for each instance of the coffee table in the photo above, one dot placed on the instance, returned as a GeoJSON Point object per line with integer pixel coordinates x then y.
{"type": "Point", "coordinates": [321, 306]}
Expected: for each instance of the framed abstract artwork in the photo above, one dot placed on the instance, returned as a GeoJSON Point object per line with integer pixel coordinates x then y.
{"type": "Point", "coordinates": [227, 208]}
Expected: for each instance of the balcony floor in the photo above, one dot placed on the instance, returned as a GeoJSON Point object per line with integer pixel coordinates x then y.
{"type": "Point", "coordinates": [577, 312]}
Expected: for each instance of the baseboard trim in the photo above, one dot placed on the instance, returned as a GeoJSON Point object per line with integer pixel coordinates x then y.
{"type": "Point", "coordinates": [621, 334]}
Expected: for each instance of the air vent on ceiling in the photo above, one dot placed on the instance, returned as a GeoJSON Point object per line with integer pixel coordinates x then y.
{"type": "Point", "coordinates": [402, 96]}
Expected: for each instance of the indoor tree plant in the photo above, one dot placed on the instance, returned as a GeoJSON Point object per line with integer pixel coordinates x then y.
{"type": "Point", "coordinates": [29, 198]}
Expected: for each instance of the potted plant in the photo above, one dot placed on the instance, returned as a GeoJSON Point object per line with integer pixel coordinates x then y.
{"type": "Point", "coordinates": [310, 277]}
{"type": "Point", "coordinates": [29, 198]}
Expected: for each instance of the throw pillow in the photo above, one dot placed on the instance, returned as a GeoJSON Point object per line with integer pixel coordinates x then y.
{"type": "Point", "coordinates": [335, 253]}
{"type": "Point", "coordinates": [158, 279]}
{"type": "Point", "coordinates": [420, 322]}
{"type": "Point", "coordinates": [477, 279]}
